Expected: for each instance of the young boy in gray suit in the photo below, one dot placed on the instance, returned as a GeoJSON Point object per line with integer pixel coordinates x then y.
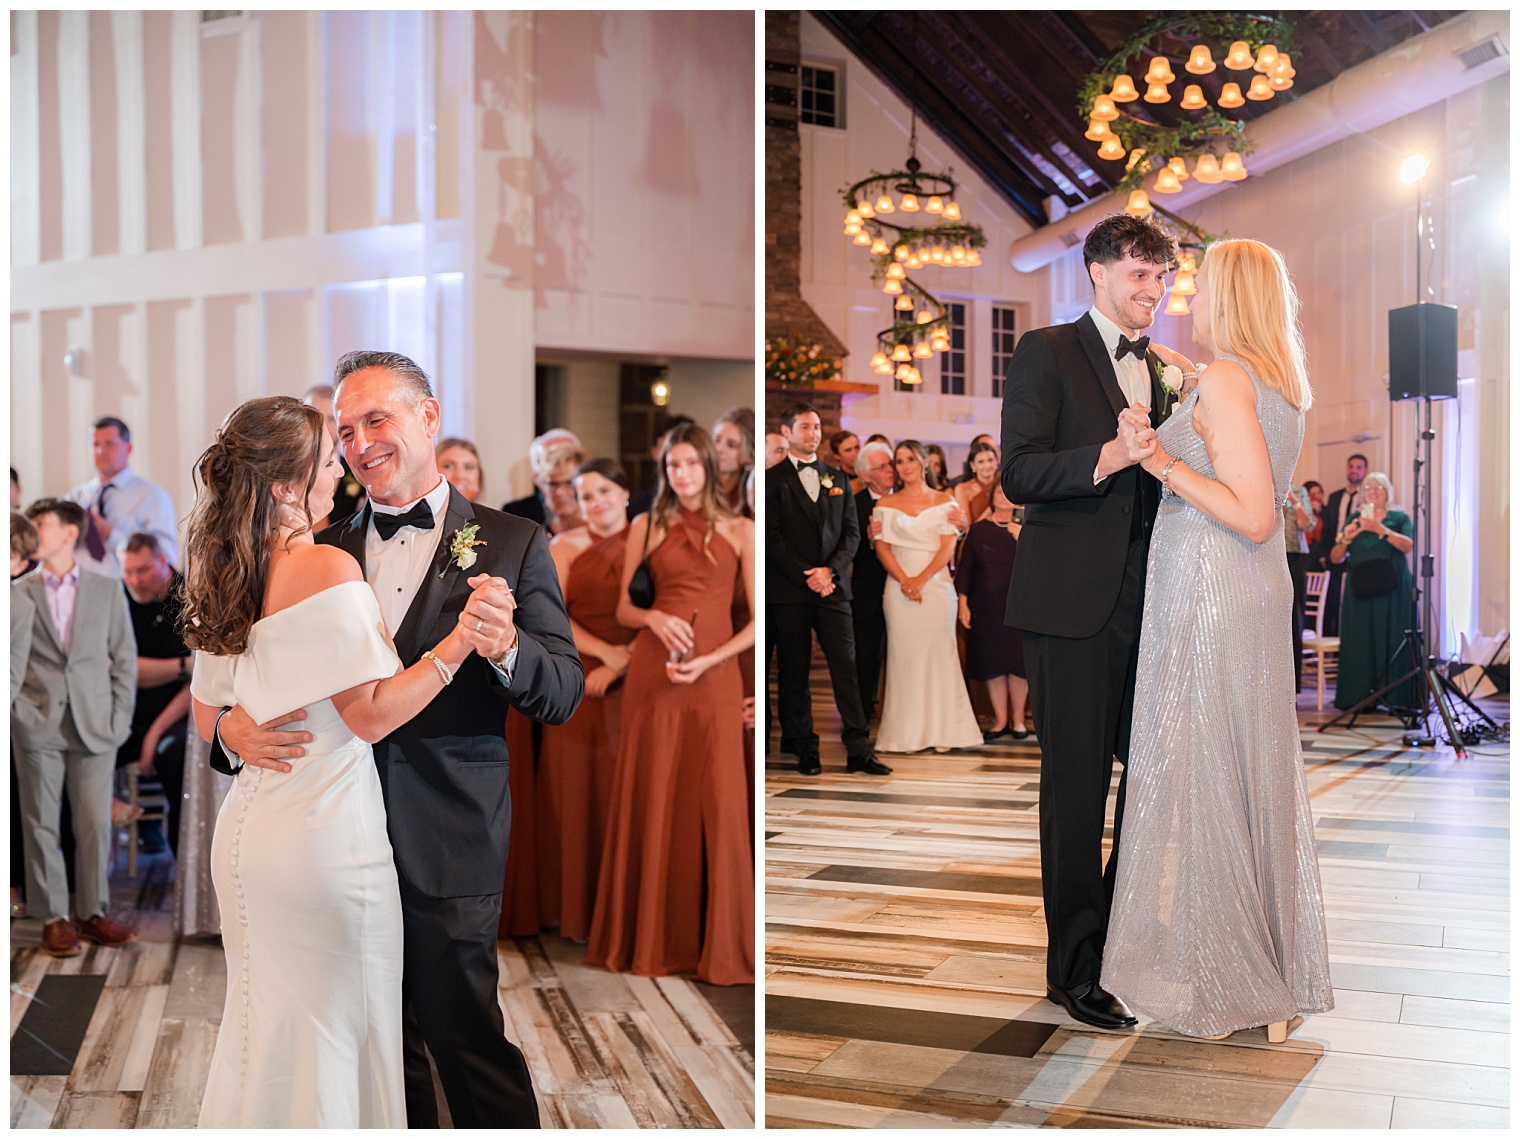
{"type": "Point", "coordinates": [72, 713]}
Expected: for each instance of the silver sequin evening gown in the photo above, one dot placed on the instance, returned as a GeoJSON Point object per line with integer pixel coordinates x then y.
{"type": "Point", "coordinates": [1217, 920]}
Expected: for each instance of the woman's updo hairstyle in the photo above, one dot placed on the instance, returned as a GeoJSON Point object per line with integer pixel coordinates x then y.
{"type": "Point", "coordinates": [233, 527]}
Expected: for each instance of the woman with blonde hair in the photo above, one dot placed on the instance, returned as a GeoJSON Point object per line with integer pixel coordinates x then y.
{"type": "Point", "coordinates": [1378, 604]}
{"type": "Point", "coordinates": [1218, 923]}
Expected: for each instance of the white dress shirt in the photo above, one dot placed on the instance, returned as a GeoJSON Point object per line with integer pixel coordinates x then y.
{"type": "Point", "coordinates": [808, 475]}
{"type": "Point", "coordinates": [396, 567]}
{"type": "Point", "coordinates": [133, 505]}
{"type": "Point", "coordinates": [1349, 502]}
{"type": "Point", "coordinates": [1132, 373]}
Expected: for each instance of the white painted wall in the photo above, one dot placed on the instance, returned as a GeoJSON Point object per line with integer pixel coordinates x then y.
{"type": "Point", "coordinates": [216, 211]}
{"type": "Point", "coordinates": [836, 275]}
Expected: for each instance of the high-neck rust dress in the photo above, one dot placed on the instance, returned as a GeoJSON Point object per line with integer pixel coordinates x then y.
{"type": "Point", "coordinates": [576, 759]}
{"type": "Point", "coordinates": [676, 893]}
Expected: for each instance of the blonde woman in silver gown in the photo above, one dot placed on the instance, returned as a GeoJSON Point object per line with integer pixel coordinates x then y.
{"type": "Point", "coordinates": [1218, 923]}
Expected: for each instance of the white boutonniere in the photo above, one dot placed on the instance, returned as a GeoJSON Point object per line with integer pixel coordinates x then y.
{"type": "Point", "coordinates": [462, 548]}
{"type": "Point", "coordinates": [1171, 384]}
{"type": "Point", "coordinates": [827, 482]}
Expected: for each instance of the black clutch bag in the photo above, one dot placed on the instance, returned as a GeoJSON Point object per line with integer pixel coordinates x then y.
{"type": "Point", "coordinates": [1374, 578]}
{"type": "Point", "coordinates": [641, 584]}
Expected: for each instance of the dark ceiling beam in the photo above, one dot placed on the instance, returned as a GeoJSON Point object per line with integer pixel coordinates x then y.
{"type": "Point", "coordinates": [1060, 122]}
{"type": "Point", "coordinates": [987, 156]}
{"type": "Point", "coordinates": [1021, 127]}
{"type": "Point", "coordinates": [1082, 37]}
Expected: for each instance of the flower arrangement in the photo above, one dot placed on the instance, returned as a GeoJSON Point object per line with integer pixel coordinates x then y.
{"type": "Point", "coordinates": [797, 365]}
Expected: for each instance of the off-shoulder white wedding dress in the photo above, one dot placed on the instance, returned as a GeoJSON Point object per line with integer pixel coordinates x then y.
{"type": "Point", "coordinates": [311, 909]}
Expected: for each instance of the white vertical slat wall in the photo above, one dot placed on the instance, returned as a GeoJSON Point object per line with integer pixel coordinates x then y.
{"type": "Point", "coordinates": [216, 210]}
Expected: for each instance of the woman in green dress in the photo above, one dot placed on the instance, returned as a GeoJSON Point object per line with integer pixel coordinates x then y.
{"type": "Point", "coordinates": [1372, 627]}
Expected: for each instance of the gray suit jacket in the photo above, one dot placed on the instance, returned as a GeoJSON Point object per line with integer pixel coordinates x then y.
{"type": "Point", "coordinates": [97, 678]}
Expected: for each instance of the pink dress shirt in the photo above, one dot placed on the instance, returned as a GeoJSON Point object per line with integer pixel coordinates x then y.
{"type": "Point", "coordinates": [62, 592]}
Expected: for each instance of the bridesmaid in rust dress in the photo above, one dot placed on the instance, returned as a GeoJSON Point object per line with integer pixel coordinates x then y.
{"type": "Point", "coordinates": [676, 894]}
{"type": "Point", "coordinates": [575, 768]}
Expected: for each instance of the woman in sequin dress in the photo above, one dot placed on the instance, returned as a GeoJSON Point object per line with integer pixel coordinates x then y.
{"type": "Point", "coordinates": [1218, 923]}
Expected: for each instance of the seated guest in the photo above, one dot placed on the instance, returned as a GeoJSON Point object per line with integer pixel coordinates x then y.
{"type": "Point", "coordinates": [733, 437]}
{"type": "Point", "coordinates": [974, 495]}
{"type": "Point", "coordinates": [1378, 604]}
{"type": "Point", "coordinates": [535, 507]}
{"type": "Point", "coordinates": [775, 448]}
{"type": "Point", "coordinates": [159, 720]}
{"type": "Point", "coordinates": [577, 758]}
{"type": "Point", "coordinates": [994, 651]}
{"type": "Point", "coordinates": [459, 462]}
{"type": "Point", "coordinates": [73, 711]}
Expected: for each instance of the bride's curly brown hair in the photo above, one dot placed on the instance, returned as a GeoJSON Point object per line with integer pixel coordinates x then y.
{"type": "Point", "coordinates": [235, 522]}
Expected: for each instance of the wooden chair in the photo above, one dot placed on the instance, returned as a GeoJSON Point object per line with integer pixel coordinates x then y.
{"type": "Point", "coordinates": [1319, 650]}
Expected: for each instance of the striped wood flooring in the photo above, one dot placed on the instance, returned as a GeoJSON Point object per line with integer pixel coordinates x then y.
{"type": "Point", "coordinates": [606, 1050]}
{"type": "Point", "coordinates": [905, 953]}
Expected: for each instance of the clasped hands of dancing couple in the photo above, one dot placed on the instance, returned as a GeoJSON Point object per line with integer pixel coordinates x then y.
{"type": "Point", "coordinates": [1154, 598]}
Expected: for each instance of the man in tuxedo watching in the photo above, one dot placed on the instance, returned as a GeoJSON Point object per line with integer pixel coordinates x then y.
{"type": "Point", "coordinates": [1340, 508]}
{"type": "Point", "coordinates": [812, 531]}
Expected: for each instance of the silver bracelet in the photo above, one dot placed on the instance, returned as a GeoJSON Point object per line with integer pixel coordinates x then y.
{"type": "Point", "coordinates": [1166, 473]}
{"type": "Point", "coordinates": [443, 670]}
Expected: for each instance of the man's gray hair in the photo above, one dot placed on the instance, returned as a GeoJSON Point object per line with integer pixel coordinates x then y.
{"type": "Point", "coordinates": [411, 379]}
{"type": "Point", "coordinates": [861, 466]}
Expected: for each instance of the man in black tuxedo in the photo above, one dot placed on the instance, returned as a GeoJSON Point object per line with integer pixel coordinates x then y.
{"type": "Point", "coordinates": [811, 534]}
{"type": "Point", "coordinates": [868, 578]}
{"type": "Point", "coordinates": [1340, 508]}
{"type": "Point", "coordinates": [1073, 403]}
{"type": "Point", "coordinates": [444, 774]}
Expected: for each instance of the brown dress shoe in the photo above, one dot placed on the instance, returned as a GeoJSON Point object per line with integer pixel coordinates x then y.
{"type": "Point", "coordinates": [60, 940]}
{"type": "Point", "coordinates": [104, 930]}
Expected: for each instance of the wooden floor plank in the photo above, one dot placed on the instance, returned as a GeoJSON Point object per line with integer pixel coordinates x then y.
{"type": "Point", "coordinates": [898, 898]}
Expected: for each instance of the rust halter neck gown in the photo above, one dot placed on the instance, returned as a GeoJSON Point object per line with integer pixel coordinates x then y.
{"type": "Point", "coordinates": [676, 893]}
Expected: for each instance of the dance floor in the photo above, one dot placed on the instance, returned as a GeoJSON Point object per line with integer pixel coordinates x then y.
{"type": "Point", "coordinates": [125, 1035]}
{"type": "Point", "coordinates": [906, 944]}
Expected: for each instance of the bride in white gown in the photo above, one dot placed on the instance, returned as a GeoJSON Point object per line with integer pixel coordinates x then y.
{"type": "Point", "coordinates": [311, 909]}
{"type": "Point", "coordinates": [925, 704]}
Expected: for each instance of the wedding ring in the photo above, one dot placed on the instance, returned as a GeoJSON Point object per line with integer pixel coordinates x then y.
{"type": "Point", "coordinates": [478, 624]}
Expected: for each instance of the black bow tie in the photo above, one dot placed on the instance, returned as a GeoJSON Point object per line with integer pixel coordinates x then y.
{"type": "Point", "coordinates": [815, 465]}
{"type": "Point", "coordinates": [420, 516]}
{"type": "Point", "coordinates": [1135, 347]}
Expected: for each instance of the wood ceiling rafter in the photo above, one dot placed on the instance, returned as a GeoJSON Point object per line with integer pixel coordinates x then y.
{"type": "Point", "coordinates": [1000, 87]}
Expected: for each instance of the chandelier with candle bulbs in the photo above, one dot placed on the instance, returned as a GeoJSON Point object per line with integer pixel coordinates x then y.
{"type": "Point", "coordinates": [1256, 51]}
{"type": "Point", "coordinates": [927, 230]}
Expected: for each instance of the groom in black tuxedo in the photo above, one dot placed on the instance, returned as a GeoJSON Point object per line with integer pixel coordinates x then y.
{"type": "Point", "coordinates": [1069, 454]}
{"type": "Point", "coordinates": [444, 774]}
{"type": "Point", "coordinates": [811, 534]}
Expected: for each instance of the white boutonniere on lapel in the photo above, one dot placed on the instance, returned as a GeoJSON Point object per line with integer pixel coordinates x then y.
{"type": "Point", "coordinates": [1171, 383]}
{"type": "Point", "coordinates": [827, 483]}
{"type": "Point", "coordinates": [462, 548]}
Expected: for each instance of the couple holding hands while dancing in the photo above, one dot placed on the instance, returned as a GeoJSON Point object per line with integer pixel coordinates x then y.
{"type": "Point", "coordinates": [1156, 606]}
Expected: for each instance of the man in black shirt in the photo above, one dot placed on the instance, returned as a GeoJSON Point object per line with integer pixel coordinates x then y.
{"type": "Point", "coordinates": [159, 719]}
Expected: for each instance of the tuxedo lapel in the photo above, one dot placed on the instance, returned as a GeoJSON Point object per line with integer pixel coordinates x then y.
{"type": "Point", "coordinates": [1103, 368]}
{"type": "Point", "coordinates": [349, 536]}
{"type": "Point", "coordinates": [441, 578]}
{"type": "Point", "coordinates": [1161, 408]}
{"type": "Point", "coordinates": [795, 488]}
{"type": "Point", "coordinates": [44, 616]}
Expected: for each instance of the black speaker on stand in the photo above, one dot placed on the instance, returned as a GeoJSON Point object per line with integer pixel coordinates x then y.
{"type": "Point", "coordinates": [1422, 365]}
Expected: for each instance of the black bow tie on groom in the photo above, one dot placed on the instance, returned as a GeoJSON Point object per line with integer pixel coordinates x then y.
{"type": "Point", "coordinates": [420, 516]}
{"type": "Point", "coordinates": [815, 465]}
{"type": "Point", "coordinates": [1136, 347]}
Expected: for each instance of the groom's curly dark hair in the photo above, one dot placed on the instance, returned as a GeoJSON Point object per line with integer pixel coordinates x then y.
{"type": "Point", "coordinates": [1119, 236]}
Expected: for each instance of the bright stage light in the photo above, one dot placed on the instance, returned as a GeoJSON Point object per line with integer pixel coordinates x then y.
{"type": "Point", "coordinates": [1413, 168]}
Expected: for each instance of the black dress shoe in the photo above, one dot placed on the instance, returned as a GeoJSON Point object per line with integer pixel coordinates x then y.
{"type": "Point", "coordinates": [866, 763]}
{"type": "Point", "coordinates": [809, 765]}
{"type": "Point", "coordinates": [996, 734]}
{"type": "Point", "coordinates": [1017, 735]}
{"type": "Point", "coordinates": [1092, 1005]}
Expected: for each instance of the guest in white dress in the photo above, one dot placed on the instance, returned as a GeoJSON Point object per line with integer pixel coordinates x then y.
{"type": "Point", "coordinates": [305, 878]}
{"type": "Point", "coordinates": [925, 704]}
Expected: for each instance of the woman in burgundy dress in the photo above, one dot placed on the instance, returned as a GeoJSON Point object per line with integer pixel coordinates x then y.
{"type": "Point", "coordinates": [676, 893]}
{"type": "Point", "coordinates": [575, 770]}
{"type": "Point", "coordinates": [994, 651]}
